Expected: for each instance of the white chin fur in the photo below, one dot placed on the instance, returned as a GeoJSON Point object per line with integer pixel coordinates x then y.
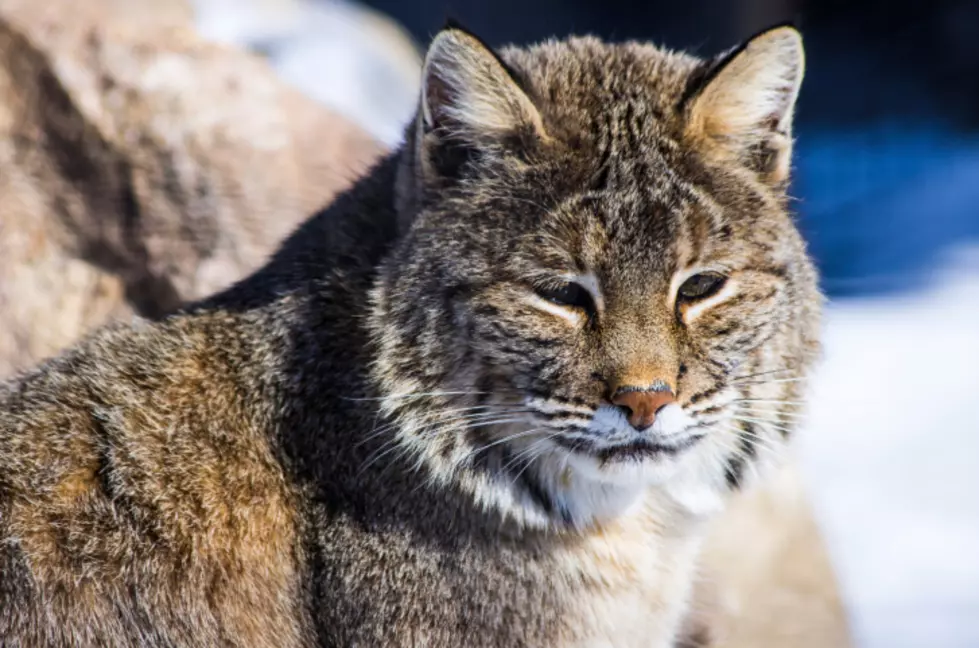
{"type": "Point", "coordinates": [652, 471]}
{"type": "Point", "coordinates": [591, 490]}
{"type": "Point", "coordinates": [586, 493]}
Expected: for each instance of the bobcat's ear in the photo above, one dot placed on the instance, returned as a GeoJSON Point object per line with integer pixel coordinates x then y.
{"type": "Point", "coordinates": [471, 105]}
{"type": "Point", "coordinates": [743, 109]}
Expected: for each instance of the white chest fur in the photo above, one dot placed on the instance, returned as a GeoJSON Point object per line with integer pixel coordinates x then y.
{"type": "Point", "coordinates": [634, 576]}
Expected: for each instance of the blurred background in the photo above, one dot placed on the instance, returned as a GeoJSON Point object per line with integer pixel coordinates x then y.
{"type": "Point", "coordinates": [886, 181]}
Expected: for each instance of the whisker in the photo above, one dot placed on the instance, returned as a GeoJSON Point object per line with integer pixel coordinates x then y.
{"type": "Point", "coordinates": [509, 437]}
{"type": "Point", "coordinates": [468, 415]}
{"type": "Point", "coordinates": [776, 412]}
{"type": "Point", "coordinates": [768, 400]}
{"type": "Point", "coordinates": [757, 442]}
{"type": "Point", "coordinates": [476, 415]}
{"type": "Point", "coordinates": [483, 423]}
{"type": "Point", "coordinates": [392, 447]}
{"type": "Point", "coordinates": [771, 382]}
{"type": "Point", "coordinates": [530, 459]}
{"type": "Point", "coordinates": [431, 432]}
{"type": "Point", "coordinates": [763, 373]}
{"type": "Point", "coordinates": [568, 422]}
{"type": "Point", "coordinates": [732, 426]}
{"type": "Point", "coordinates": [393, 424]}
{"type": "Point", "coordinates": [759, 421]}
{"type": "Point", "coordinates": [414, 395]}
{"type": "Point", "coordinates": [749, 464]}
{"type": "Point", "coordinates": [529, 450]}
{"type": "Point", "coordinates": [525, 452]}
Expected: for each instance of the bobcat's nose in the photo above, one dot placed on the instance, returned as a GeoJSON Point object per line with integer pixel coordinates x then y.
{"type": "Point", "coordinates": [641, 405]}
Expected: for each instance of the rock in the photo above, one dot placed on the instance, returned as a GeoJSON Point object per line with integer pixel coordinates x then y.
{"type": "Point", "coordinates": [351, 58]}
{"type": "Point", "coordinates": [767, 579]}
{"type": "Point", "coordinates": [141, 166]}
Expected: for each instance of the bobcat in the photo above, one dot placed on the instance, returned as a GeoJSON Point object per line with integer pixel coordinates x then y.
{"type": "Point", "coordinates": [491, 396]}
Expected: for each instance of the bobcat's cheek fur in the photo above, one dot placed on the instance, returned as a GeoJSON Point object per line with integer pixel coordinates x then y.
{"type": "Point", "coordinates": [408, 428]}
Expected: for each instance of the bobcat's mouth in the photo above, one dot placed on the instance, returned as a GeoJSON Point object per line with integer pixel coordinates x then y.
{"type": "Point", "coordinates": [639, 448]}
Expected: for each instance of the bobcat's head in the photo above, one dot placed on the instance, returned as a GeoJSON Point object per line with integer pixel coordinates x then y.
{"type": "Point", "coordinates": [598, 288]}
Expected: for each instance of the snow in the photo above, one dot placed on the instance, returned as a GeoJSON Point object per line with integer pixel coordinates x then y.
{"type": "Point", "coordinates": [891, 455]}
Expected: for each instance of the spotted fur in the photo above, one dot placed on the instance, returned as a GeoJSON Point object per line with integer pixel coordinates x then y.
{"type": "Point", "coordinates": [397, 433]}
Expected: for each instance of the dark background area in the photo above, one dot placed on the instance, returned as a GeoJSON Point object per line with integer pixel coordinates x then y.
{"type": "Point", "coordinates": [887, 165]}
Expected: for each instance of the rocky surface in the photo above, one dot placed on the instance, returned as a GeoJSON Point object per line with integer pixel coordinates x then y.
{"type": "Point", "coordinates": [141, 166]}
{"type": "Point", "coordinates": [357, 61]}
{"type": "Point", "coordinates": [767, 578]}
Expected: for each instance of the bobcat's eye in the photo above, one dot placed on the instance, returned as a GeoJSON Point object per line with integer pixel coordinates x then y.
{"type": "Point", "coordinates": [701, 286]}
{"type": "Point", "coordinates": [569, 295]}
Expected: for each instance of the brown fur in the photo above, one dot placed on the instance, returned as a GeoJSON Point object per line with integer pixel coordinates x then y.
{"type": "Point", "coordinates": [286, 463]}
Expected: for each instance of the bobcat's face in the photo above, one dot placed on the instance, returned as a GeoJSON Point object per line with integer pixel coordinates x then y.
{"type": "Point", "coordinates": [626, 325]}
{"type": "Point", "coordinates": [599, 288]}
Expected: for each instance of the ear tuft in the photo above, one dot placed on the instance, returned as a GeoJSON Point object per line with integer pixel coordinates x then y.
{"type": "Point", "coordinates": [468, 92]}
{"type": "Point", "coordinates": [472, 111]}
{"type": "Point", "coordinates": [745, 108]}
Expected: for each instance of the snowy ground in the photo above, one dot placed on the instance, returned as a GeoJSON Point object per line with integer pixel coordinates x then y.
{"type": "Point", "coordinates": [892, 458]}
{"type": "Point", "coordinates": [892, 449]}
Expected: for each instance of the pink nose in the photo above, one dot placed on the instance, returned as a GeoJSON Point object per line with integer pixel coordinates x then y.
{"type": "Point", "coordinates": [642, 406]}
